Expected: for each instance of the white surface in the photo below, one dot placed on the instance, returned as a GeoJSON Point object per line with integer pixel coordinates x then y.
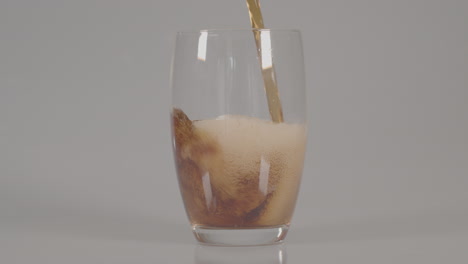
{"type": "Point", "coordinates": [86, 170]}
{"type": "Point", "coordinates": [28, 246]}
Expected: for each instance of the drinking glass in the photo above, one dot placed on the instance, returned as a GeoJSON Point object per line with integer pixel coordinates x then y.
{"type": "Point", "coordinates": [238, 171]}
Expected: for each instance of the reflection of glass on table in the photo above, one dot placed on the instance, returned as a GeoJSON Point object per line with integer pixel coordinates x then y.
{"type": "Point", "coordinates": [273, 254]}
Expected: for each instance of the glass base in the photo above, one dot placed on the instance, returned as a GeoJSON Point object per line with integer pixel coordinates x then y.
{"type": "Point", "coordinates": [240, 237]}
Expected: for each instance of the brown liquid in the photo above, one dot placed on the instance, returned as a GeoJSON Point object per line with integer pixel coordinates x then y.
{"type": "Point", "coordinates": [239, 172]}
{"type": "Point", "coordinates": [268, 71]}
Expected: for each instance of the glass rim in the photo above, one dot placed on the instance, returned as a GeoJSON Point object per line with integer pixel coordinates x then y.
{"type": "Point", "coordinates": [226, 30]}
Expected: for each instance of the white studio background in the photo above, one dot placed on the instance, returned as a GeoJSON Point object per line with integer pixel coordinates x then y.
{"type": "Point", "coordinates": [85, 142]}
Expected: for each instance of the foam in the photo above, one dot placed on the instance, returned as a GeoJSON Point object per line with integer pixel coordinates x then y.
{"type": "Point", "coordinates": [261, 153]}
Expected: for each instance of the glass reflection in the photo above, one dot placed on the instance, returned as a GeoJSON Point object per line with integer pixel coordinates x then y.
{"type": "Point", "coordinates": [273, 254]}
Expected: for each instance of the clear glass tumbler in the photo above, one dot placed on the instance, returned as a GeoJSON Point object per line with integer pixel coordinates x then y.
{"type": "Point", "coordinates": [238, 171]}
